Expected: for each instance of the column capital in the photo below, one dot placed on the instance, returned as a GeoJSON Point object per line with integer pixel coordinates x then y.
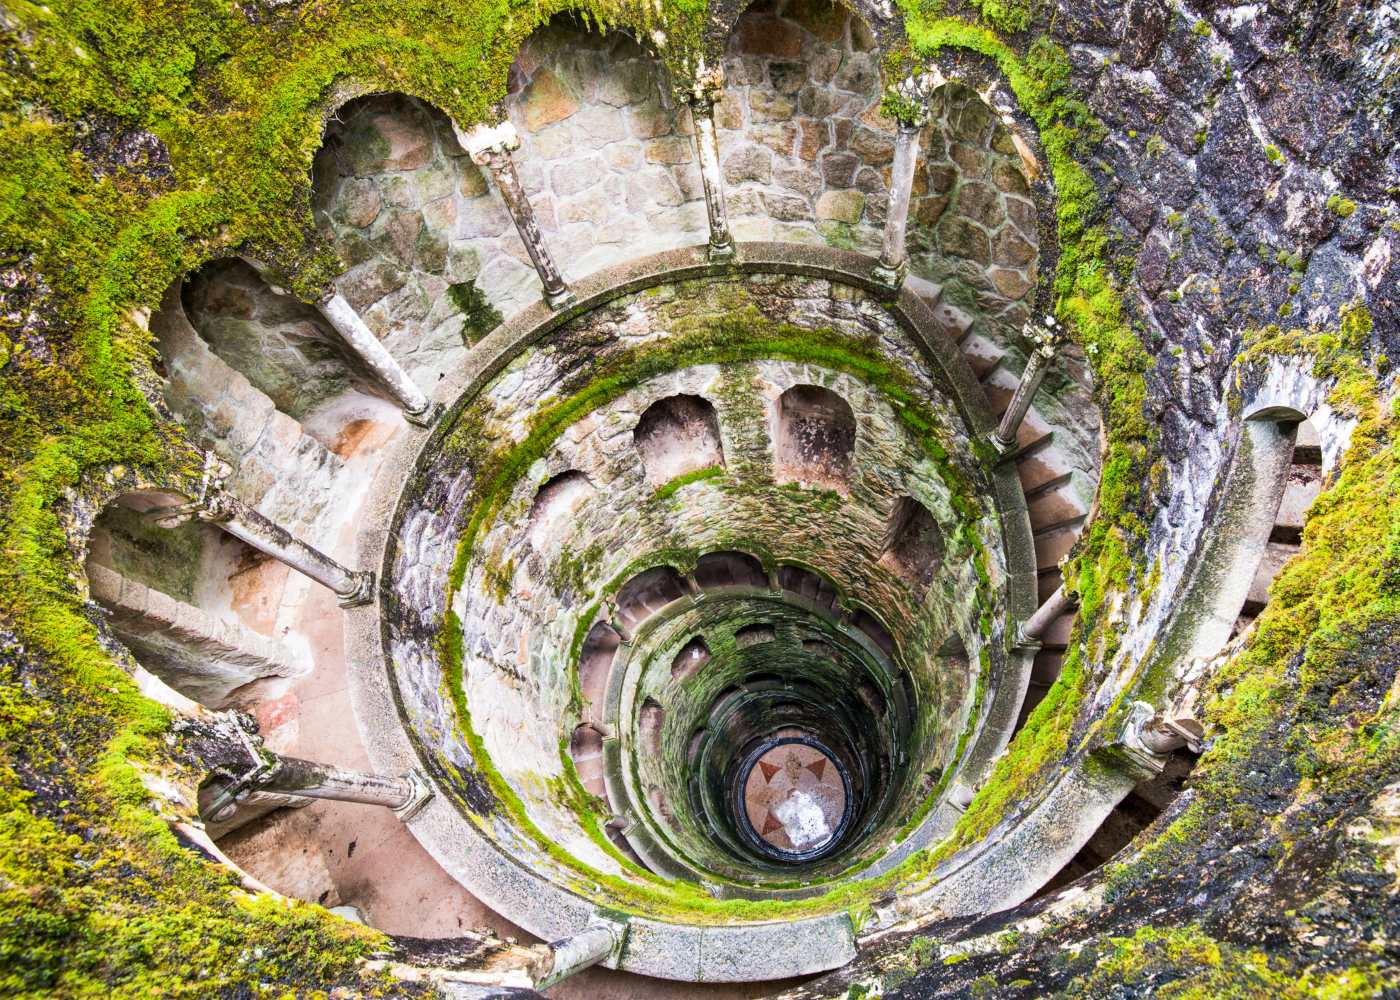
{"type": "Point", "coordinates": [1044, 334]}
{"type": "Point", "coordinates": [486, 144]}
{"type": "Point", "coordinates": [907, 101]}
{"type": "Point", "coordinates": [705, 90]}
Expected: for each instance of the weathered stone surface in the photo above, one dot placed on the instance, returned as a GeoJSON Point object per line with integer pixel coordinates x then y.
{"type": "Point", "coordinates": [841, 206]}
{"type": "Point", "coordinates": [547, 99]}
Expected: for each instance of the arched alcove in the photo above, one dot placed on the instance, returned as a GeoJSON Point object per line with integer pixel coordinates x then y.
{"type": "Point", "coordinates": [646, 593]}
{"type": "Point", "coordinates": [595, 663]}
{"type": "Point", "coordinates": [650, 721]}
{"type": "Point", "coordinates": [815, 439]}
{"type": "Point", "coordinates": [189, 602]}
{"type": "Point", "coordinates": [554, 506]}
{"type": "Point", "coordinates": [913, 543]}
{"type": "Point", "coordinates": [677, 435]}
{"type": "Point", "coordinates": [586, 752]}
{"type": "Point", "coordinates": [729, 569]}
{"type": "Point", "coordinates": [808, 584]}
{"type": "Point", "coordinates": [805, 148]}
{"type": "Point", "coordinates": [691, 659]}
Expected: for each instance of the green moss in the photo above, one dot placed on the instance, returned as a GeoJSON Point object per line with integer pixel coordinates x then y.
{"type": "Point", "coordinates": [479, 316]}
{"type": "Point", "coordinates": [669, 489]}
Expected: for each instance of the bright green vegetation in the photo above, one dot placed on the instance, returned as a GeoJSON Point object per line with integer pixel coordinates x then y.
{"type": "Point", "coordinates": [1341, 206]}
{"type": "Point", "coordinates": [668, 490]}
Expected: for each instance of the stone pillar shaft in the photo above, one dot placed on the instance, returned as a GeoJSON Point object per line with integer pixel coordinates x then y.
{"type": "Point", "coordinates": [893, 259]}
{"type": "Point", "coordinates": [246, 524]}
{"type": "Point", "coordinates": [702, 113]}
{"type": "Point", "coordinates": [1055, 605]}
{"type": "Point", "coordinates": [491, 148]}
{"type": "Point", "coordinates": [308, 779]}
{"type": "Point", "coordinates": [574, 954]}
{"type": "Point", "coordinates": [341, 315]}
{"type": "Point", "coordinates": [1043, 339]}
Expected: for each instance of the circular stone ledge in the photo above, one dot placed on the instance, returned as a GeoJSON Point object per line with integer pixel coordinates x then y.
{"type": "Point", "coordinates": [733, 953]}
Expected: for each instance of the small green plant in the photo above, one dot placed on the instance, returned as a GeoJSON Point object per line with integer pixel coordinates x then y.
{"type": "Point", "coordinates": [1201, 28]}
{"type": "Point", "coordinates": [1274, 154]}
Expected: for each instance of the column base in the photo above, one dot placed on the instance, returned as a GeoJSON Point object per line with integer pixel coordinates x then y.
{"type": "Point", "coordinates": [425, 417]}
{"type": "Point", "coordinates": [890, 279]}
{"type": "Point", "coordinates": [422, 792]}
{"type": "Point", "coordinates": [721, 253]}
{"type": "Point", "coordinates": [560, 299]}
{"type": "Point", "coordinates": [363, 592]}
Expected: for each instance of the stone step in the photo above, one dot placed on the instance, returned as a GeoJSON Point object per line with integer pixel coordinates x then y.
{"type": "Point", "coordinates": [1275, 555]}
{"type": "Point", "coordinates": [1057, 506]}
{"type": "Point", "coordinates": [1054, 544]}
{"type": "Point", "coordinates": [982, 355]}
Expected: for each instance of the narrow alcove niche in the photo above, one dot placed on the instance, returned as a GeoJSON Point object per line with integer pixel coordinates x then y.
{"type": "Point", "coordinates": [816, 434]}
{"type": "Point", "coordinates": [678, 435]}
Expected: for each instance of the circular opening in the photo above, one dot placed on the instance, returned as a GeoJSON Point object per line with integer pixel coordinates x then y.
{"type": "Point", "coordinates": [793, 799]}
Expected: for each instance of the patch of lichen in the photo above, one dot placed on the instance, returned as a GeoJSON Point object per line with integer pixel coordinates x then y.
{"type": "Point", "coordinates": [1186, 962]}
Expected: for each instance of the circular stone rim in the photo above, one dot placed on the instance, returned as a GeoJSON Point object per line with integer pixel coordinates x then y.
{"type": "Point", "coordinates": [745, 823]}
{"type": "Point", "coordinates": [690, 952]}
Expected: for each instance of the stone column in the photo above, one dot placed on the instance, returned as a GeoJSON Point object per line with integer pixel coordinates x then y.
{"type": "Point", "coordinates": [306, 779]}
{"type": "Point", "coordinates": [417, 408]}
{"type": "Point", "coordinates": [246, 524]}
{"type": "Point", "coordinates": [490, 147]}
{"type": "Point", "coordinates": [894, 262]}
{"type": "Point", "coordinates": [1044, 338]}
{"type": "Point", "coordinates": [1034, 627]}
{"type": "Point", "coordinates": [590, 946]}
{"type": "Point", "coordinates": [702, 101]}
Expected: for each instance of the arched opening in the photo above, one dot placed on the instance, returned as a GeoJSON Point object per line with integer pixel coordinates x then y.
{"type": "Point", "coordinates": [646, 593]}
{"type": "Point", "coordinates": [595, 663]}
{"type": "Point", "coordinates": [288, 354]}
{"type": "Point", "coordinates": [874, 630]}
{"type": "Point", "coordinates": [650, 721]}
{"type": "Point", "coordinates": [605, 149]}
{"type": "Point", "coordinates": [729, 569]}
{"type": "Point", "coordinates": [678, 435]}
{"type": "Point", "coordinates": [973, 222]}
{"type": "Point", "coordinates": [808, 584]}
{"type": "Point", "coordinates": [192, 604]}
{"type": "Point", "coordinates": [816, 437]}
{"type": "Point", "coordinates": [689, 661]}
{"type": "Point", "coordinates": [586, 751]}
{"type": "Point", "coordinates": [556, 503]}
{"type": "Point", "coordinates": [913, 543]}
{"type": "Point", "coordinates": [754, 635]}
{"type": "Point", "coordinates": [416, 222]}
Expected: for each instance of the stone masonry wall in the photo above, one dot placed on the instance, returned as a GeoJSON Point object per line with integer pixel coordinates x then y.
{"type": "Point", "coordinates": [519, 608]}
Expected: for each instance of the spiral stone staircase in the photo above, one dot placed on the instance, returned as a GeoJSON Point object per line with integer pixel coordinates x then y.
{"type": "Point", "coordinates": [652, 541]}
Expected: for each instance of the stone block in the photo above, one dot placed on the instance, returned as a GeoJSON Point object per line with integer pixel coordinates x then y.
{"type": "Point", "coordinates": [813, 136]}
{"type": "Point", "coordinates": [546, 100]}
{"type": "Point", "coordinates": [1011, 283]}
{"type": "Point", "coordinates": [875, 148]}
{"type": "Point", "coordinates": [960, 238]}
{"type": "Point", "coordinates": [729, 112]}
{"type": "Point", "coordinates": [1009, 248]}
{"type": "Point", "coordinates": [841, 206]}
{"type": "Point", "coordinates": [748, 163]}
{"type": "Point", "coordinates": [357, 202]}
{"type": "Point", "coordinates": [765, 106]}
{"type": "Point", "coordinates": [672, 149]}
{"type": "Point", "coordinates": [786, 207]}
{"type": "Point", "coordinates": [981, 203]}
{"type": "Point", "coordinates": [471, 181]}
{"type": "Point", "coordinates": [839, 169]}
{"type": "Point", "coordinates": [780, 137]}
{"type": "Point", "coordinates": [800, 179]}
{"type": "Point", "coordinates": [576, 175]}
